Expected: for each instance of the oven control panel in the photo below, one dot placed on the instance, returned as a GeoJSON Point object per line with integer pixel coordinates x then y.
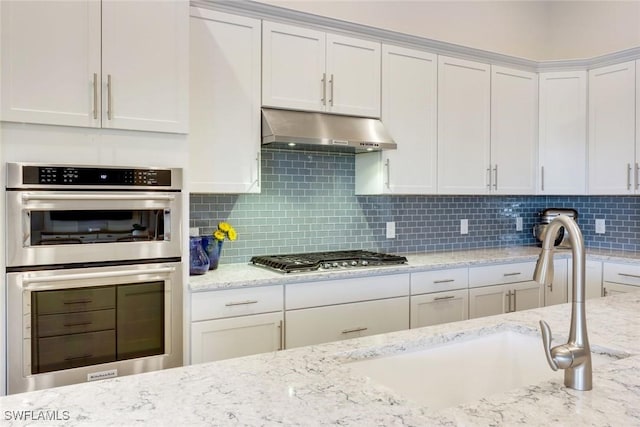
{"type": "Point", "coordinates": [95, 176]}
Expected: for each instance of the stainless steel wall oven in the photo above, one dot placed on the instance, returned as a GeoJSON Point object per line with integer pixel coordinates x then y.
{"type": "Point", "coordinates": [94, 273]}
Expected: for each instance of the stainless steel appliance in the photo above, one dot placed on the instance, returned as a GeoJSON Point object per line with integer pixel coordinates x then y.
{"type": "Point", "coordinates": [332, 260]}
{"type": "Point", "coordinates": [562, 239]}
{"type": "Point", "coordinates": [94, 276]}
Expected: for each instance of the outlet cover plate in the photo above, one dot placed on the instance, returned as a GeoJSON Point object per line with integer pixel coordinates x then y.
{"type": "Point", "coordinates": [391, 230]}
{"type": "Point", "coordinates": [464, 226]}
{"type": "Point", "coordinates": [600, 226]}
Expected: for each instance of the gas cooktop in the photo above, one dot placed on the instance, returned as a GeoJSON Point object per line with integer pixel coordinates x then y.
{"type": "Point", "coordinates": [332, 260]}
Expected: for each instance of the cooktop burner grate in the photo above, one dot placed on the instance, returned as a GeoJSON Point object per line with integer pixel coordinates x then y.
{"type": "Point", "coordinates": [326, 260]}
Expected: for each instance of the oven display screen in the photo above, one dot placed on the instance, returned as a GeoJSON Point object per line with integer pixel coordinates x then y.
{"type": "Point", "coordinates": [66, 175]}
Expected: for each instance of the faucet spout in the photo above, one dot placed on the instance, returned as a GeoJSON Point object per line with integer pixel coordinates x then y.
{"type": "Point", "coordinates": [574, 356]}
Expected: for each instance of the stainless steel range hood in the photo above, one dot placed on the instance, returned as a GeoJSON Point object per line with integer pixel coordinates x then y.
{"type": "Point", "coordinates": [322, 131]}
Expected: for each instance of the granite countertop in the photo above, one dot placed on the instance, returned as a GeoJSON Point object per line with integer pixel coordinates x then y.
{"type": "Point", "coordinates": [229, 276]}
{"type": "Point", "coordinates": [315, 386]}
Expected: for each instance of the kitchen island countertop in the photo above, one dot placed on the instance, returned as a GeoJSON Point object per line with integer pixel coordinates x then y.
{"type": "Point", "coordinates": [315, 386]}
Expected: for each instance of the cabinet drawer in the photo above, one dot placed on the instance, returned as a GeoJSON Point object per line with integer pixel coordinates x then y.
{"type": "Point", "coordinates": [501, 274]}
{"type": "Point", "coordinates": [439, 280]}
{"type": "Point", "coordinates": [72, 351]}
{"type": "Point", "coordinates": [74, 323]}
{"type": "Point", "coordinates": [338, 322]}
{"type": "Point", "coordinates": [437, 308]}
{"type": "Point", "coordinates": [236, 302]}
{"type": "Point", "coordinates": [75, 300]}
{"type": "Point", "coordinates": [628, 274]}
{"type": "Point", "coordinates": [316, 294]}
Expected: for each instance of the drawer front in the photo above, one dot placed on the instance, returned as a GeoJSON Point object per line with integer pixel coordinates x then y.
{"type": "Point", "coordinates": [236, 302]}
{"type": "Point", "coordinates": [72, 351]}
{"type": "Point", "coordinates": [74, 323]}
{"type": "Point", "coordinates": [75, 300]}
{"type": "Point", "coordinates": [316, 294]}
{"type": "Point", "coordinates": [437, 308]}
{"type": "Point", "coordinates": [627, 274]}
{"type": "Point", "coordinates": [338, 322]}
{"type": "Point", "coordinates": [439, 280]}
{"type": "Point", "coordinates": [501, 274]}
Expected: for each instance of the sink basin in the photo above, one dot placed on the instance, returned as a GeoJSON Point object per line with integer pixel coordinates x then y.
{"type": "Point", "coordinates": [465, 371]}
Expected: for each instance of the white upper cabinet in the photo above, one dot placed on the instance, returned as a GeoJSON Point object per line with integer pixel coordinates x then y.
{"type": "Point", "coordinates": [563, 128]}
{"type": "Point", "coordinates": [224, 132]}
{"type": "Point", "coordinates": [514, 131]}
{"type": "Point", "coordinates": [612, 148]}
{"type": "Point", "coordinates": [464, 101]}
{"type": "Point", "coordinates": [409, 112]}
{"type": "Point", "coordinates": [111, 64]}
{"type": "Point", "coordinates": [305, 69]}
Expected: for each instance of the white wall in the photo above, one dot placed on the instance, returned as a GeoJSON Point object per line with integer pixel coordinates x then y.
{"type": "Point", "coordinates": [538, 30]}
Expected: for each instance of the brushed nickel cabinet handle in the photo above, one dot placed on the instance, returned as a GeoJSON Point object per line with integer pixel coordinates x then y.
{"type": "Point", "coordinates": [331, 82]}
{"type": "Point", "coordinates": [515, 301]}
{"type": "Point", "coordinates": [634, 276]}
{"type": "Point", "coordinates": [68, 325]}
{"type": "Point", "coordinates": [387, 165]}
{"type": "Point", "coordinates": [281, 335]}
{"type": "Point", "coordinates": [444, 281]}
{"type": "Point", "coordinates": [95, 96]}
{"type": "Point", "coordinates": [324, 89]}
{"type": "Point", "coordinates": [84, 356]}
{"type": "Point", "coordinates": [511, 274]}
{"type": "Point", "coordinates": [628, 176]}
{"type": "Point", "coordinates": [443, 298]}
{"type": "Point", "coordinates": [637, 175]}
{"type": "Point", "coordinates": [542, 178]}
{"type": "Point", "coordinates": [109, 106]}
{"type": "Point", "coordinates": [489, 181]}
{"type": "Point", "coordinates": [348, 331]}
{"type": "Point", "coordinates": [247, 302]}
{"type": "Point", "coordinates": [78, 301]}
{"type": "Point", "coordinates": [495, 181]}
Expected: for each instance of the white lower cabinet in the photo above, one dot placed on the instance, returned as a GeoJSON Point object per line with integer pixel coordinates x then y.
{"type": "Point", "coordinates": [236, 322]}
{"type": "Point", "coordinates": [439, 307]}
{"type": "Point", "coordinates": [338, 322]}
{"type": "Point", "coordinates": [593, 279]}
{"type": "Point", "coordinates": [620, 278]}
{"type": "Point", "coordinates": [557, 292]}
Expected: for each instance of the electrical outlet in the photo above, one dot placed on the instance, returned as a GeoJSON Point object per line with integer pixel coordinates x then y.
{"type": "Point", "coordinates": [600, 227]}
{"type": "Point", "coordinates": [464, 226]}
{"type": "Point", "coordinates": [519, 223]}
{"type": "Point", "coordinates": [391, 230]}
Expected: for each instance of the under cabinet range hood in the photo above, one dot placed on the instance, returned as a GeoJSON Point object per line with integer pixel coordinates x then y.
{"type": "Point", "coordinates": [322, 131]}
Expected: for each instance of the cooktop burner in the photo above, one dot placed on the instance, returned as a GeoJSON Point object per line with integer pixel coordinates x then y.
{"type": "Point", "coordinates": [326, 260]}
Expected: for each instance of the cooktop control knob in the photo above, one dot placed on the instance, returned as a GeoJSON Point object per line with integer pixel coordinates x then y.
{"type": "Point", "coordinates": [326, 265]}
{"type": "Point", "coordinates": [335, 264]}
{"type": "Point", "coordinates": [364, 263]}
{"type": "Point", "coordinates": [345, 264]}
{"type": "Point", "coordinates": [354, 263]}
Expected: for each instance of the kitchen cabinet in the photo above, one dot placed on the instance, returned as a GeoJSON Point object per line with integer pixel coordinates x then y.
{"type": "Point", "coordinates": [236, 322]}
{"type": "Point", "coordinates": [409, 112]}
{"type": "Point", "coordinates": [562, 132]}
{"type": "Point", "coordinates": [503, 288]}
{"type": "Point", "coordinates": [613, 161]}
{"type": "Point", "coordinates": [593, 279]}
{"type": "Point", "coordinates": [439, 296]}
{"type": "Point", "coordinates": [464, 92]}
{"type": "Point", "coordinates": [331, 310]}
{"type": "Point", "coordinates": [514, 135]}
{"type": "Point", "coordinates": [306, 69]}
{"type": "Point", "coordinates": [557, 291]}
{"type": "Point", "coordinates": [110, 64]}
{"type": "Point", "coordinates": [620, 278]}
{"type": "Point", "coordinates": [224, 132]}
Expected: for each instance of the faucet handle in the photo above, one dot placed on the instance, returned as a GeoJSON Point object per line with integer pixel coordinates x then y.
{"type": "Point", "coordinates": [546, 341]}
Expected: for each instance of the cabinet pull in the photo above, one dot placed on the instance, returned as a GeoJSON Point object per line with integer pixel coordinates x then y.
{"type": "Point", "coordinates": [604, 292]}
{"type": "Point", "coordinates": [511, 274]}
{"type": "Point", "coordinates": [444, 281]}
{"type": "Point", "coordinates": [550, 287]}
{"type": "Point", "coordinates": [628, 176]}
{"type": "Point", "coordinates": [542, 178]}
{"type": "Point", "coordinates": [324, 89]}
{"type": "Point", "coordinates": [348, 331]}
{"type": "Point", "coordinates": [95, 96]}
{"type": "Point", "coordinates": [84, 356]}
{"type": "Point", "coordinates": [508, 310]}
{"type": "Point", "coordinates": [637, 175]}
{"type": "Point", "coordinates": [515, 301]}
{"type": "Point", "coordinates": [68, 325]}
{"type": "Point", "coordinates": [109, 112]}
{"type": "Point", "coordinates": [489, 181]}
{"type": "Point", "coordinates": [257, 180]}
{"type": "Point", "coordinates": [331, 81]}
{"type": "Point", "coordinates": [495, 181]}
{"type": "Point", "coordinates": [634, 276]}
{"type": "Point", "coordinates": [387, 165]}
{"type": "Point", "coordinates": [247, 302]}
{"type": "Point", "coordinates": [281, 335]}
{"type": "Point", "coordinates": [441, 298]}
{"type": "Point", "coordinates": [79, 301]}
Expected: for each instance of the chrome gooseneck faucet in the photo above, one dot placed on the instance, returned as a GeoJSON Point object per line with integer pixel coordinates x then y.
{"type": "Point", "coordinates": [574, 356]}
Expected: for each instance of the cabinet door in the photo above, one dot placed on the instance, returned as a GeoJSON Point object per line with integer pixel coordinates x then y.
{"type": "Point", "coordinates": [563, 123]}
{"type": "Point", "coordinates": [609, 288]}
{"type": "Point", "coordinates": [293, 67]}
{"type": "Point", "coordinates": [439, 307]}
{"type": "Point", "coordinates": [463, 126]}
{"type": "Point", "coordinates": [224, 98]}
{"type": "Point", "coordinates": [50, 55]}
{"type": "Point", "coordinates": [234, 337]}
{"type": "Point", "coordinates": [593, 279]}
{"type": "Point", "coordinates": [612, 129]}
{"type": "Point", "coordinates": [487, 301]}
{"type": "Point", "coordinates": [526, 295]}
{"type": "Point", "coordinates": [353, 73]}
{"type": "Point", "coordinates": [337, 322]}
{"type": "Point", "coordinates": [556, 292]}
{"type": "Point", "coordinates": [409, 102]}
{"type": "Point", "coordinates": [514, 131]}
{"type": "Point", "coordinates": [145, 60]}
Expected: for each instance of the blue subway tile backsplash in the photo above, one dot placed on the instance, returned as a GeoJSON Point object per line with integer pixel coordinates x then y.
{"type": "Point", "coordinates": [308, 203]}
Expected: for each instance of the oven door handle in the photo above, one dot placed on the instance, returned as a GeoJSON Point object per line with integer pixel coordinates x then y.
{"type": "Point", "coordinates": [97, 275]}
{"type": "Point", "coordinates": [101, 197]}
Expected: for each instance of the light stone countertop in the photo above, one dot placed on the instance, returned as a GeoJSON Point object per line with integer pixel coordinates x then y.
{"type": "Point", "coordinates": [229, 276]}
{"type": "Point", "coordinates": [314, 386]}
